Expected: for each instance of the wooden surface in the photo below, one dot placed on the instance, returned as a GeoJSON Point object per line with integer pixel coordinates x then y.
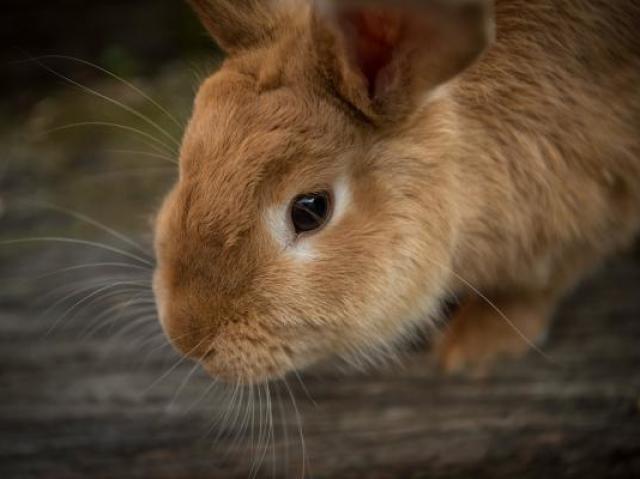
{"type": "Point", "coordinates": [73, 406]}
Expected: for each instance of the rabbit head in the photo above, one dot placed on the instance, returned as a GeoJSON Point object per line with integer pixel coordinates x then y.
{"type": "Point", "coordinates": [313, 216]}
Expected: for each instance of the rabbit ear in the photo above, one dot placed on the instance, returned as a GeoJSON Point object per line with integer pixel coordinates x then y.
{"type": "Point", "coordinates": [238, 24]}
{"type": "Point", "coordinates": [385, 56]}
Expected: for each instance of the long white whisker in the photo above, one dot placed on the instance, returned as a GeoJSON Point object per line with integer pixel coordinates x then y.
{"type": "Point", "coordinates": [93, 222]}
{"type": "Point", "coordinates": [201, 398]}
{"type": "Point", "coordinates": [223, 420]}
{"type": "Point", "coordinates": [107, 124]}
{"type": "Point", "coordinates": [86, 298]}
{"type": "Point", "coordinates": [120, 290]}
{"type": "Point", "coordinates": [92, 265]}
{"type": "Point", "coordinates": [86, 286]}
{"type": "Point", "coordinates": [155, 333]}
{"type": "Point", "coordinates": [145, 153]}
{"type": "Point", "coordinates": [113, 101]}
{"type": "Point", "coordinates": [285, 427]}
{"type": "Point", "coordinates": [149, 342]}
{"type": "Point", "coordinates": [98, 321]}
{"type": "Point", "coordinates": [265, 430]}
{"type": "Point", "coordinates": [182, 385]}
{"type": "Point", "coordinates": [116, 77]}
{"type": "Point", "coordinates": [142, 320]}
{"type": "Point", "coordinates": [255, 464]}
{"type": "Point", "coordinates": [518, 331]}
{"type": "Point", "coordinates": [304, 388]}
{"type": "Point", "coordinates": [98, 324]}
{"type": "Point", "coordinates": [272, 432]}
{"type": "Point", "coordinates": [300, 432]}
{"type": "Point", "coordinates": [172, 368]}
{"type": "Point", "coordinates": [55, 239]}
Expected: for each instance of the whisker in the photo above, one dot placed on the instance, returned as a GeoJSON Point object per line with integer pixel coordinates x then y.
{"type": "Point", "coordinates": [82, 290]}
{"type": "Point", "coordinates": [146, 334]}
{"type": "Point", "coordinates": [113, 101]}
{"type": "Point", "coordinates": [167, 343]}
{"type": "Point", "coordinates": [86, 285]}
{"type": "Point", "coordinates": [93, 222]}
{"type": "Point", "coordinates": [159, 337]}
{"type": "Point", "coordinates": [493, 306]}
{"type": "Point", "coordinates": [172, 368]}
{"type": "Point", "coordinates": [202, 397]}
{"type": "Point", "coordinates": [239, 423]}
{"type": "Point", "coordinates": [272, 431]}
{"type": "Point", "coordinates": [80, 242]}
{"type": "Point", "coordinates": [155, 333]}
{"type": "Point", "coordinates": [98, 324]}
{"type": "Point", "coordinates": [102, 176]}
{"type": "Point", "coordinates": [135, 304]}
{"type": "Point", "coordinates": [258, 441]}
{"type": "Point", "coordinates": [116, 77]}
{"type": "Point", "coordinates": [86, 298]}
{"type": "Point", "coordinates": [304, 388]}
{"type": "Point", "coordinates": [107, 124]}
{"type": "Point", "coordinates": [229, 424]}
{"type": "Point", "coordinates": [222, 421]}
{"type": "Point", "coordinates": [90, 266]}
{"type": "Point", "coordinates": [300, 432]}
{"type": "Point", "coordinates": [229, 402]}
{"type": "Point", "coordinates": [264, 435]}
{"type": "Point", "coordinates": [182, 385]}
{"type": "Point", "coordinates": [167, 151]}
{"type": "Point", "coordinates": [145, 153]}
{"type": "Point", "coordinates": [142, 320]}
{"type": "Point", "coordinates": [285, 427]}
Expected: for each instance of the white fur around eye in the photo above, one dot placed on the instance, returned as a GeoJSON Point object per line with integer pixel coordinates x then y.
{"type": "Point", "coordinates": [341, 200]}
{"type": "Point", "coordinates": [278, 223]}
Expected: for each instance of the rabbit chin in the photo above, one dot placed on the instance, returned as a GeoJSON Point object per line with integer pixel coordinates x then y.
{"type": "Point", "coordinates": [242, 373]}
{"type": "Point", "coordinates": [235, 363]}
{"type": "Point", "coordinates": [235, 359]}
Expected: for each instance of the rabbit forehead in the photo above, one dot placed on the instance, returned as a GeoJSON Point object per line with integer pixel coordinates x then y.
{"type": "Point", "coordinates": [236, 127]}
{"type": "Point", "coordinates": [244, 148]}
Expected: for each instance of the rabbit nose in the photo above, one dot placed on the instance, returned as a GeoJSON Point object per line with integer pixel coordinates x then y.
{"type": "Point", "coordinates": [190, 333]}
{"type": "Point", "coordinates": [183, 323]}
{"type": "Point", "coordinates": [188, 337]}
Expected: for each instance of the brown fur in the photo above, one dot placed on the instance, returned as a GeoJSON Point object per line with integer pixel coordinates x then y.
{"type": "Point", "coordinates": [515, 178]}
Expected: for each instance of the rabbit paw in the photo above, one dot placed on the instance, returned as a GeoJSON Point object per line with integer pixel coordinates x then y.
{"type": "Point", "coordinates": [484, 331]}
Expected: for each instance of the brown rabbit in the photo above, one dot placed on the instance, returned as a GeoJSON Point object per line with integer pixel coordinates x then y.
{"type": "Point", "coordinates": [352, 165]}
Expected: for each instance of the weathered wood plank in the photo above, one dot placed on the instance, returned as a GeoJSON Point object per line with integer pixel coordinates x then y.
{"type": "Point", "coordinates": [72, 407]}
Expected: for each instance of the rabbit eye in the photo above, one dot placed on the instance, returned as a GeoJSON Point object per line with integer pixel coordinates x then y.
{"type": "Point", "coordinates": [310, 211]}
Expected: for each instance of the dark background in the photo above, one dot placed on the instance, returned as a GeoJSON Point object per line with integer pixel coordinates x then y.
{"type": "Point", "coordinates": [88, 387]}
{"type": "Point", "coordinates": [130, 38]}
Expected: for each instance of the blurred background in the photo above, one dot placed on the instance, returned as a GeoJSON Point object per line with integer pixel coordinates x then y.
{"type": "Point", "coordinates": [94, 99]}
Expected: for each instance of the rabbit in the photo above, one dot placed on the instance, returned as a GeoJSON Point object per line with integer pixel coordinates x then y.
{"type": "Point", "coordinates": [352, 166]}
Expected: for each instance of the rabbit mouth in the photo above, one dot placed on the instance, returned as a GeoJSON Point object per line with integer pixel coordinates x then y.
{"type": "Point", "coordinates": [242, 372]}
{"type": "Point", "coordinates": [246, 363]}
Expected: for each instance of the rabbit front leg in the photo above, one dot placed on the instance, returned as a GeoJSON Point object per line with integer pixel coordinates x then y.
{"type": "Point", "coordinates": [487, 329]}
{"type": "Point", "coordinates": [509, 321]}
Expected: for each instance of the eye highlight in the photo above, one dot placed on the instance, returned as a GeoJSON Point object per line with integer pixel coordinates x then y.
{"type": "Point", "coordinates": [310, 211]}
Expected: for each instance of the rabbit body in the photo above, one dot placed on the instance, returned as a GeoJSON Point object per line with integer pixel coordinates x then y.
{"type": "Point", "coordinates": [498, 170]}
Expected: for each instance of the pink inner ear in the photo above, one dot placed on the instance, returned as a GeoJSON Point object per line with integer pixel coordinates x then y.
{"type": "Point", "coordinates": [374, 35]}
